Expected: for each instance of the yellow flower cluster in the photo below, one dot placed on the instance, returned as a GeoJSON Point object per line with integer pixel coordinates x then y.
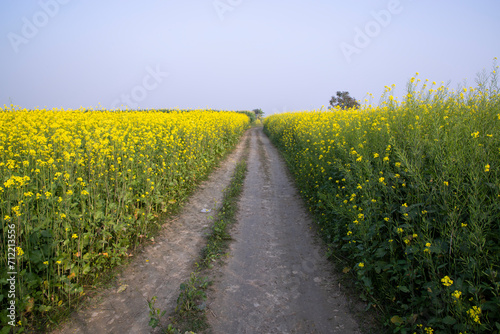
{"type": "Point", "coordinates": [457, 294]}
{"type": "Point", "coordinates": [447, 281]}
{"type": "Point", "coordinates": [475, 313]}
{"type": "Point", "coordinates": [20, 251]}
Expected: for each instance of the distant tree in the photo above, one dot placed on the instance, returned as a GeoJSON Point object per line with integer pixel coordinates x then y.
{"type": "Point", "coordinates": [258, 112]}
{"type": "Point", "coordinates": [344, 101]}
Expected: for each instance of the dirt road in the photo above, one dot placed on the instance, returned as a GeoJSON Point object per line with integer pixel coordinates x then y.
{"type": "Point", "coordinates": [160, 268]}
{"type": "Point", "coordinates": [275, 280]}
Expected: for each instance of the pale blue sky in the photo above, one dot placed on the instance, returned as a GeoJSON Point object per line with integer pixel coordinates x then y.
{"type": "Point", "coordinates": [235, 54]}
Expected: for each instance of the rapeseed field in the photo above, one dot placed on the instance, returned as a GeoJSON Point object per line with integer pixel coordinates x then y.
{"type": "Point", "coordinates": [81, 189]}
{"type": "Point", "coordinates": [408, 195]}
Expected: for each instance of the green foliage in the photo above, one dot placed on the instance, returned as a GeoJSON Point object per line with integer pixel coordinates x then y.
{"type": "Point", "coordinates": [190, 309]}
{"type": "Point", "coordinates": [408, 193]}
{"type": "Point", "coordinates": [250, 114]}
{"type": "Point", "coordinates": [216, 241]}
{"type": "Point", "coordinates": [343, 101]}
{"type": "Point", "coordinates": [192, 296]}
{"type": "Point", "coordinates": [258, 112]}
{"type": "Point", "coordinates": [155, 314]}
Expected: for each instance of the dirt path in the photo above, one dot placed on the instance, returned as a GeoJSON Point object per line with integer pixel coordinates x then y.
{"type": "Point", "coordinates": [275, 280]}
{"type": "Point", "coordinates": [160, 268]}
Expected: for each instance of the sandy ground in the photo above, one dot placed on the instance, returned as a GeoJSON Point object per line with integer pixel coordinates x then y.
{"type": "Point", "coordinates": [275, 280]}
{"type": "Point", "coordinates": [160, 268]}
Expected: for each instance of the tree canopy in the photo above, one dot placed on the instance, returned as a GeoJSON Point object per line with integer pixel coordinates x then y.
{"type": "Point", "coordinates": [258, 112]}
{"type": "Point", "coordinates": [344, 101]}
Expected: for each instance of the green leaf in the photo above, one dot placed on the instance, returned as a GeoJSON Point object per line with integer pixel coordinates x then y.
{"type": "Point", "coordinates": [153, 322]}
{"type": "Point", "coordinates": [46, 233]}
{"type": "Point", "coordinates": [44, 308]}
{"type": "Point", "coordinates": [403, 288]}
{"type": "Point", "coordinates": [449, 320]}
{"type": "Point", "coordinates": [380, 253]}
{"type": "Point", "coordinates": [5, 330]}
{"type": "Point", "coordinates": [35, 256]}
{"type": "Point", "coordinates": [86, 269]}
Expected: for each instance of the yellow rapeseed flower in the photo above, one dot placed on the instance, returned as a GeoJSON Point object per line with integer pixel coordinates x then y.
{"type": "Point", "coordinates": [474, 313]}
{"type": "Point", "coordinates": [446, 281]}
{"type": "Point", "coordinates": [20, 251]}
{"type": "Point", "coordinates": [456, 294]}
